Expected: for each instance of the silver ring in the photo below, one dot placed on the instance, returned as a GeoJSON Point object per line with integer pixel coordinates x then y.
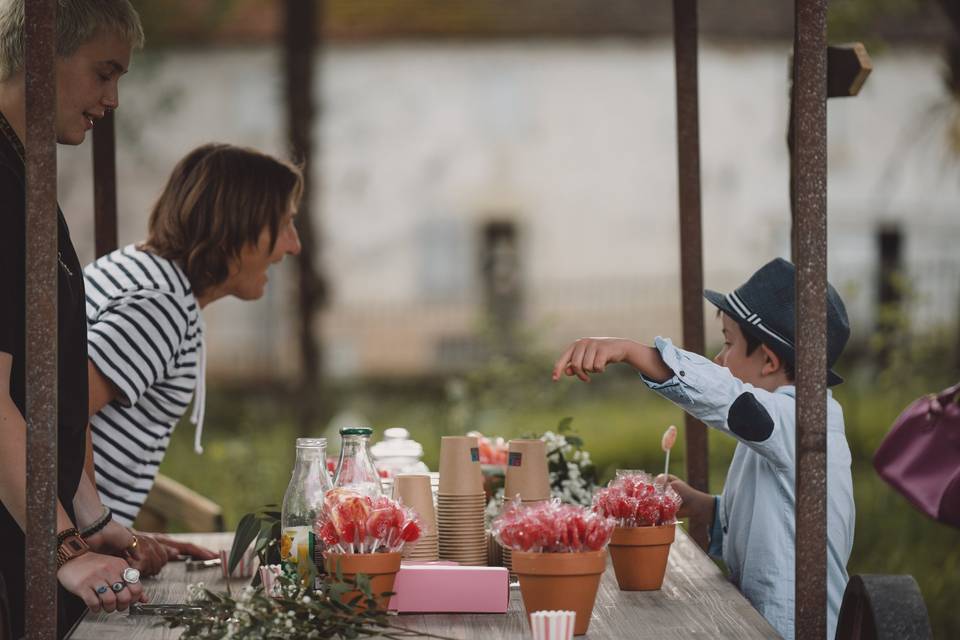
{"type": "Point", "coordinates": [118, 586]}
{"type": "Point", "coordinates": [131, 575]}
{"type": "Point", "coordinates": [102, 589]}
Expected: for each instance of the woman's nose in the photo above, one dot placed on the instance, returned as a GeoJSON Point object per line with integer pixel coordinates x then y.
{"type": "Point", "coordinates": [111, 99]}
{"type": "Point", "coordinates": [293, 242]}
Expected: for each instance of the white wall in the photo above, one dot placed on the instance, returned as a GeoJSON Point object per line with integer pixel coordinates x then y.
{"type": "Point", "coordinates": [575, 142]}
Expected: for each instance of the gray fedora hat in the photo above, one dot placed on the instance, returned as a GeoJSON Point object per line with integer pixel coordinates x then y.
{"type": "Point", "coordinates": [765, 307]}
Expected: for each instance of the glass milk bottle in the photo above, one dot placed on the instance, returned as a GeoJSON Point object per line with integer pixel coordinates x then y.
{"type": "Point", "coordinates": [302, 503]}
{"type": "Point", "coordinates": [356, 469]}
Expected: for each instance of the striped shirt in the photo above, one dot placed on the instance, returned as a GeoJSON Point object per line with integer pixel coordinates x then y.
{"type": "Point", "coordinates": [145, 335]}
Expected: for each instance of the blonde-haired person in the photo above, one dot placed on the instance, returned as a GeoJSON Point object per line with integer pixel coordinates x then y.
{"type": "Point", "coordinates": [225, 215]}
{"type": "Point", "coordinates": [94, 41]}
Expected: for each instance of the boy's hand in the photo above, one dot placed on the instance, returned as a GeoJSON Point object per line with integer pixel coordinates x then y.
{"type": "Point", "coordinates": [695, 503]}
{"type": "Point", "coordinates": [592, 355]}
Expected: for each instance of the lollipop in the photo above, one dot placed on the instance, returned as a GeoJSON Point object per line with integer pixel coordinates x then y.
{"type": "Point", "coordinates": [669, 438]}
{"type": "Point", "coordinates": [633, 500]}
{"type": "Point", "coordinates": [552, 527]}
{"type": "Point", "coordinates": [354, 523]}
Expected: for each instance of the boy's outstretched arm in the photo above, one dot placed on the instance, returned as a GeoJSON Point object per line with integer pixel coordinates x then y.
{"type": "Point", "coordinates": [592, 355]}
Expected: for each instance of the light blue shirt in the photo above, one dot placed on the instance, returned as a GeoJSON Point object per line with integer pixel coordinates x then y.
{"type": "Point", "coordinates": [756, 510]}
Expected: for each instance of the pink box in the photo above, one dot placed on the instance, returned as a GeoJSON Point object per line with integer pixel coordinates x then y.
{"type": "Point", "coordinates": [446, 588]}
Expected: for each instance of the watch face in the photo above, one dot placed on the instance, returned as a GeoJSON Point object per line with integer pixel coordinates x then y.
{"type": "Point", "coordinates": [74, 543]}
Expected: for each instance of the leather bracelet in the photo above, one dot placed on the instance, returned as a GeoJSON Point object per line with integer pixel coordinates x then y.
{"type": "Point", "coordinates": [98, 524]}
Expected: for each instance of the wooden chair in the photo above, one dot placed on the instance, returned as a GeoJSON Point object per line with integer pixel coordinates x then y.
{"type": "Point", "coordinates": [171, 501]}
{"type": "Point", "coordinates": [878, 607]}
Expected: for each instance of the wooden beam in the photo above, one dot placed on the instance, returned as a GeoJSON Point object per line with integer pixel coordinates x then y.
{"type": "Point", "coordinates": [848, 66]}
{"type": "Point", "coordinates": [171, 501]}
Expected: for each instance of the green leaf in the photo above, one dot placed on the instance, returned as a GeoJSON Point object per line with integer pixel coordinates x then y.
{"type": "Point", "coordinates": [363, 583]}
{"type": "Point", "coordinates": [564, 424]}
{"type": "Point", "coordinates": [247, 530]}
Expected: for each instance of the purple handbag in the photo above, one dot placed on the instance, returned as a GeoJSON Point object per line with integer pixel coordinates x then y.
{"type": "Point", "coordinates": [920, 456]}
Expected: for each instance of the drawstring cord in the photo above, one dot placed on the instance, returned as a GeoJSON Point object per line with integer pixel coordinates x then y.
{"type": "Point", "coordinates": [200, 396]}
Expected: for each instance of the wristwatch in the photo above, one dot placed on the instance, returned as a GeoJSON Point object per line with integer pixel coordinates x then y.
{"type": "Point", "coordinates": [69, 546]}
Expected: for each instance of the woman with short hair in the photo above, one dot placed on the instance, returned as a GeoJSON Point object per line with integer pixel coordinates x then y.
{"type": "Point", "coordinates": [225, 215]}
{"type": "Point", "coordinates": [94, 40]}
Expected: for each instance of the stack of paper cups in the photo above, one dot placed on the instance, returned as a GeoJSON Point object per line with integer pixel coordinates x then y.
{"type": "Point", "coordinates": [552, 625]}
{"type": "Point", "coordinates": [413, 490]}
{"type": "Point", "coordinates": [527, 477]}
{"type": "Point", "coordinates": [461, 501]}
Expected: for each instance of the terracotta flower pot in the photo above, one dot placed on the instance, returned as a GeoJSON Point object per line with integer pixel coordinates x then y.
{"type": "Point", "coordinates": [380, 567]}
{"type": "Point", "coordinates": [640, 556]}
{"type": "Point", "coordinates": [560, 581]}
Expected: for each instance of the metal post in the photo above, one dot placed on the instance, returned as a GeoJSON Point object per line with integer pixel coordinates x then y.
{"type": "Point", "coordinates": [41, 319]}
{"type": "Point", "coordinates": [810, 193]}
{"type": "Point", "coordinates": [300, 36]}
{"type": "Point", "coordinates": [691, 236]}
{"type": "Point", "coordinates": [104, 186]}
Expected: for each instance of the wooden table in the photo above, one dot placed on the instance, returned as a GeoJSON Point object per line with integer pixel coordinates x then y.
{"type": "Point", "coordinates": [695, 601]}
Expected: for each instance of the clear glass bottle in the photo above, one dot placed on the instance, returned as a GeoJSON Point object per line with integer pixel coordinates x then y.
{"type": "Point", "coordinates": [356, 469]}
{"type": "Point", "coordinates": [302, 503]}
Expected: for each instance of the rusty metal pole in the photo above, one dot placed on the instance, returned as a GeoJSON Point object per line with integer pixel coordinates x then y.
{"type": "Point", "coordinates": [300, 45]}
{"type": "Point", "coordinates": [691, 235]}
{"type": "Point", "coordinates": [104, 186]}
{"type": "Point", "coordinates": [40, 34]}
{"type": "Point", "coordinates": [810, 193]}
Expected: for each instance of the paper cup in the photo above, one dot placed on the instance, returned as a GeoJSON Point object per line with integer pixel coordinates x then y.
{"type": "Point", "coordinates": [552, 625]}
{"type": "Point", "coordinates": [527, 473]}
{"type": "Point", "coordinates": [244, 568]}
{"type": "Point", "coordinates": [268, 576]}
{"type": "Point", "coordinates": [413, 490]}
{"type": "Point", "coordinates": [460, 472]}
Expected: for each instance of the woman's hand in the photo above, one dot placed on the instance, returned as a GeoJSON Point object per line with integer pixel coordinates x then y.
{"type": "Point", "coordinates": [696, 504]}
{"type": "Point", "coordinates": [177, 547]}
{"type": "Point", "coordinates": [85, 574]}
{"type": "Point", "coordinates": [149, 556]}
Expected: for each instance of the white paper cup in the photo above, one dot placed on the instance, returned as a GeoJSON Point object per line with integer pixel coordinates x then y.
{"type": "Point", "coordinates": [268, 576]}
{"type": "Point", "coordinates": [244, 568]}
{"type": "Point", "coordinates": [552, 625]}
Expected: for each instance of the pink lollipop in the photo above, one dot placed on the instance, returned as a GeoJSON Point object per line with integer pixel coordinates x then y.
{"type": "Point", "coordinates": [669, 438]}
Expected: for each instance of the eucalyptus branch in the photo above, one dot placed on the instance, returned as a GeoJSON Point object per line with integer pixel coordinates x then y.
{"type": "Point", "coordinates": [294, 611]}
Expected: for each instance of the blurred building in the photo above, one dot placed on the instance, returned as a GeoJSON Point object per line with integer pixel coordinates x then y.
{"type": "Point", "coordinates": [476, 165]}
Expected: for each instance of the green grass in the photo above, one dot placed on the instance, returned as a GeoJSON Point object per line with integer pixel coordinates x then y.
{"type": "Point", "coordinates": [249, 442]}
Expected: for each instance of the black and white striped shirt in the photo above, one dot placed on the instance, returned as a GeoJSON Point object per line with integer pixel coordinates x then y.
{"type": "Point", "coordinates": [145, 335]}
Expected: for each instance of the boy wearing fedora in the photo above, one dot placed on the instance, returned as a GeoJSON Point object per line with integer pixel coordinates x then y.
{"type": "Point", "coordinates": [748, 392]}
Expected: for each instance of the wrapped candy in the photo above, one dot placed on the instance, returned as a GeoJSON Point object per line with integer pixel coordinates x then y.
{"type": "Point", "coordinates": [669, 438]}
{"type": "Point", "coordinates": [355, 523]}
{"type": "Point", "coordinates": [635, 500]}
{"type": "Point", "coordinates": [551, 527]}
{"type": "Point", "coordinates": [492, 450]}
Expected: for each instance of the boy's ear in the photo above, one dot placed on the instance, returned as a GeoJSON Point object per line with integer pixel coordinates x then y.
{"type": "Point", "coordinates": [771, 361]}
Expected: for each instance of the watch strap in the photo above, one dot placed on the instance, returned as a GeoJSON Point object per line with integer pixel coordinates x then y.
{"type": "Point", "coordinates": [70, 546]}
